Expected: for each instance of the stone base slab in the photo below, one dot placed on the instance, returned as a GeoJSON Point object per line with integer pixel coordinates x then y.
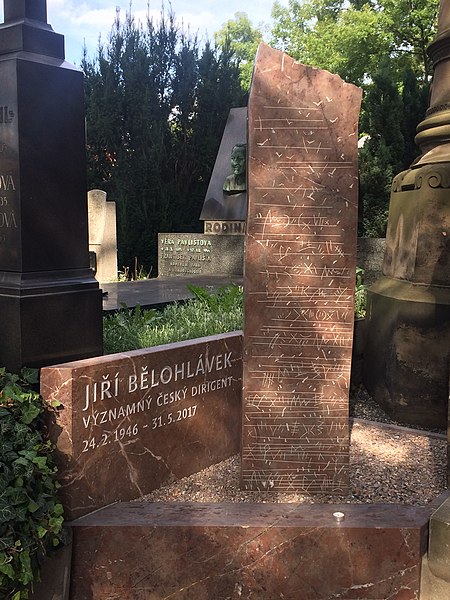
{"type": "Point", "coordinates": [190, 551]}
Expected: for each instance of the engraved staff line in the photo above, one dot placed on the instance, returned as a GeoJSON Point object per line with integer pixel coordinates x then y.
{"type": "Point", "coordinates": [294, 301]}
{"type": "Point", "coordinates": [306, 298]}
{"type": "Point", "coordinates": [286, 119]}
{"type": "Point", "coordinates": [294, 206]}
{"type": "Point", "coordinates": [325, 421]}
{"type": "Point", "coordinates": [319, 403]}
{"type": "Point", "coordinates": [281, 235]}
{"type": "Point", "coordinates": [300, 485]}
{"type": "Point", "coordinates": [304, 321]}
{"type": "Point", "coordinates": [282, 188]}
{"type": "Point", "coordinates": [326, 451]}
{"type": "Point", "coordinates": [307, 330]}
{"type": "Point", "coordinates": [312, 456]}
{"type": "Point", "coordinates": [333, 448]}
{"type": "Point", "coordinates": [286, 472]}
{"type": "Point", "coordinates": [315, 395]}
{"type": "Point", "coordinates": [291, 108]}
{"type": "Point", "coordinates": [261, 237]}
{"type": "Point", "coordinates": [309, 164]}
{"type": "Point", "coordinates": [298, 382]}
{"type": "Point", "coordinates": [309, 377]}
{"type": "Point", "coordinates": [305, 271]}
{"type": "Point", "coordinates": [306, 251]}
{"type": "Point", "coordinates": [299, 413]}
{"type": "Point", "coordinates": [326, 426]}
{"type": "Point", "coordinates": [263, 146]}
{"type": "Point", "coordinates": [304, 488]}
{"type": "Point", "coordinates": [293, 127]}
{"type": "Point", "coordinates": [294, 458]}
{"type": "Point", "coordinates": [294, 343]}
{"type": "Point", "coordinates": [295, 472]}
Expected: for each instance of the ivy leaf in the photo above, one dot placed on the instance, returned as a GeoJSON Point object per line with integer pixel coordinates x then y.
{"type": "Point", "coordinates": [29, 413]}
{"type": "Point", "coordinates": [40, 461]}
{"type": "Point", "coordinates": [6, 513]}
{"type": "Point", "coordinates": [7, 569]}
{"type": "Point", "coordinates": [30, 375]}
{"type": "Point", "coordinates": [5, 543]}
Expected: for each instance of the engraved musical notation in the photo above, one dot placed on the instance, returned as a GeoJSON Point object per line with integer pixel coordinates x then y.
{"type": "Point", "coordinates": [299, 280]}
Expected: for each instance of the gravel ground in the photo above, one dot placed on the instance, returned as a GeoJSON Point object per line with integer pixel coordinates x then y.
{"type": "Point", "coordinates": [387, 465]}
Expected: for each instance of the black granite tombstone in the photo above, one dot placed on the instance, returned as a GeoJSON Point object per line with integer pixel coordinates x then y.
{"type": "Point", "coordinates": [50, 303]}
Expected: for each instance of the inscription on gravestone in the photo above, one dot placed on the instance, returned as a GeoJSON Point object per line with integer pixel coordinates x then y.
{"type": "Point", "coordinates": [299, 277]}
{"type": "Point", "coordinates": [8, 182]}
{"type": "Point", "coordinates": [130, 422]}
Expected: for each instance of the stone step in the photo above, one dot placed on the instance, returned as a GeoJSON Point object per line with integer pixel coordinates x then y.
{"type": "Point", "coordinates": [187, 551]}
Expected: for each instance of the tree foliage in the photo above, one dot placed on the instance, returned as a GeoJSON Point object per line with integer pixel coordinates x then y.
{"type": "Point", "coordinates": [243, 39]}
{"type": "Point", "coordinates": [156, 107]}
{"type": "Point", "coordinates": [379, 45]}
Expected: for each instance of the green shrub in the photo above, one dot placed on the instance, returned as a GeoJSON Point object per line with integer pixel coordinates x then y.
{"type": "Point", "coordinates": [360, 294]}
{"type": "Point", "coordinates": [31, 515]}
{"type": "Point", "coordinates": [206, 314]}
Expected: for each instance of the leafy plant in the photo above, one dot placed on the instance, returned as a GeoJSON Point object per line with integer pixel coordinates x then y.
{"type": "Point", "coordinates": [31, 515]}
{"type": "Point", "coordinates": [225, 298]}
{"type": "Point", "coordinates": [206, 314]}
{"type": "Point", "coordinates": [360, 294]}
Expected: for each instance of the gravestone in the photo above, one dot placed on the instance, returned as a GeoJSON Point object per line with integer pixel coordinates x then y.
{"type": "Point", "coordinates": [299, 276]}
{"type": "Point", "coordinates": [220, 249]}
{"type": "Point", "coordinates": [199, 254]}
{"type": "Point", "coordinates": [130, 422]}
{"type": "Point", "coordinates": [220, 206]}
{"type": "Point", "coordinates": [50, 303]}
{"type": "Point", "coordinates": [103, 235]}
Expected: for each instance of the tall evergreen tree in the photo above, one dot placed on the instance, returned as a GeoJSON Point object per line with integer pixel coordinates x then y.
{"type": "Point", "coordinates": [155, 108]}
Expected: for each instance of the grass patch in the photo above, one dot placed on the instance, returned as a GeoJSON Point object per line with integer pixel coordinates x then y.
{"type": "Point", "coordinates": [206, 314]}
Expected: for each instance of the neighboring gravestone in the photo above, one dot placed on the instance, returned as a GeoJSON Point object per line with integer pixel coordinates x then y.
{"type": "Point", "coordinates": [103, 235]}
{"type": "Point", "coordinates": [130, 422]}
{"type": "Point", "coordinates": [220, 249]}
{"type": "Point", "coordinates": [221, 205]}
{"type": "Point", "coordinates": [407, 353]}
{"type": "Point", "coordinates": [50, 303]}
{"type": "Point", "coordinates": [199, 254]}
{"type": "Point", "coordinates": [299, 276]}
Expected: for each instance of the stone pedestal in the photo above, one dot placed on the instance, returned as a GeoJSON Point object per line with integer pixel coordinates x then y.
{"type": "Point", "coordinates": [50, 303]}
{"type": "Point", "coordinates": [406, 364]}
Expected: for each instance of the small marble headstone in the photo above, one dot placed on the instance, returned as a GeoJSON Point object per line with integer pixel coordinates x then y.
{"type": "Point", "coordinates": [103, 234]}
{"type": "Point", "coordinates": [299, 277]}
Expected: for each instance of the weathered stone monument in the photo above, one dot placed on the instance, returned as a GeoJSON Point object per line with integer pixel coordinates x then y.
{"type": "Point", "coordinates": [406, 362]}
{"type": "Point", "coordinates": [299, 276]}
{"type": "Point", "coordinates": [103, 235]}
{"type": "Point", "coordinates": [223, 204]}
{"type": "Point", "coordinates": [50, 303]}
{"type": "Point", "coordinates": [220, 249]}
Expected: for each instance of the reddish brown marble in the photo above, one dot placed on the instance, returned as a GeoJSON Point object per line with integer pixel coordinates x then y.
{"type": "Point", "coordinates": [299, 276]}
{"type": "Point", "coordinates": [185, 551]}
{"type": "Point", "coordinates": [132, 421]}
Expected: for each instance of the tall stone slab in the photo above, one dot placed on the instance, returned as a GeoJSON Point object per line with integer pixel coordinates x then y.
{"type": "Point", "coordinates": [299, 276]}
{"type": "Point", "coordinates": [50, 303]}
